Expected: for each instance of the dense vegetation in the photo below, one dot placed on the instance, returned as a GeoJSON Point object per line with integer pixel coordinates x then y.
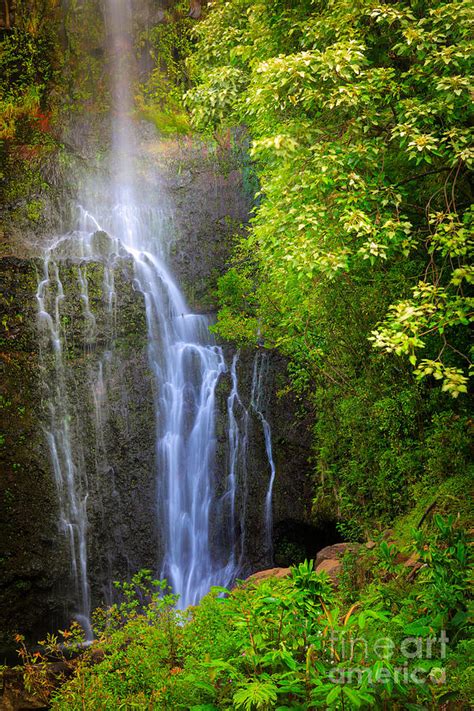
{"type": "Point", "coordinates": [168, 44]}
{"type": "Point", "coordinates": [51, 70]}
{"type": "Point", "coordinates": [398, 643]}
{"type": "Point", "coordinates": [30, 62]}
{"type": "Point", "coordinates": [356, 264]}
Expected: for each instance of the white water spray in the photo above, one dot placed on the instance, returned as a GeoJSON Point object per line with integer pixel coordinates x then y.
{"type": "Point", "coordinates": [185, 364]}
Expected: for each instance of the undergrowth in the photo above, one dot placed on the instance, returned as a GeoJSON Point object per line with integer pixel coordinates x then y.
{"type": "Point", "coordinates": [394, 634]}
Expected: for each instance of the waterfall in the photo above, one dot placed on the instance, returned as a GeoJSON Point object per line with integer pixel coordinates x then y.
{"type": "Point", "coordinates": [65, 447]}
{"type": "Point", "coordinates": [117, 221]}
{"type": "Point", "coordinates": [238, 437]}
{"type": "Point", "coordinates": [69, 476]}
{"type": "Point", "coordinates": [238, 442]}
{"type": "Point", "coordinates": [185, 363]}
{"type": "Point", "coordinates": [186, 367]}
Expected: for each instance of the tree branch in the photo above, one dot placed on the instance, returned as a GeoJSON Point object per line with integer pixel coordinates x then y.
{"type": "Point", "coordinates": [422, 175]}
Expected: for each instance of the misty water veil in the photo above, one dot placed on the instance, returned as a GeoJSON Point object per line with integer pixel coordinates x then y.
{"type": "Point", "coordinates": [116, 221]}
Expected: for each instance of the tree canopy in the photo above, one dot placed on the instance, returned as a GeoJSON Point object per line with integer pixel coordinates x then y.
{"type": "Point", "coordinates": [360, 117]}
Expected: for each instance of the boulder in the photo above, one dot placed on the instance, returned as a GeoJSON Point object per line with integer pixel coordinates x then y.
{"type": "Point", "coordinates": [334, 552]}
{"type": "Point", "coordinates": [277, 573]}
{"type": "Point", "coordinates": [329, 559]}
{"type": "Point", "coordinates": [332, 567]}
{"type": "Point", "coordinates": [195, 9]}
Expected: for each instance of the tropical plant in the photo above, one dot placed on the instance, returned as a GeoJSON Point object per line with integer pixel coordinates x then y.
{"type": "Point", "coordinates": [293, 643]}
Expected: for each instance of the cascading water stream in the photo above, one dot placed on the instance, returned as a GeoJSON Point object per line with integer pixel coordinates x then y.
{"type": "Point", "coordinates": [67, 474]}
{"type": "Point", "coordinates": [238, 441]}
{"type": "Point", "coordinates": [239, 425]}
{"type": "Point", "coordinates": [185, 364]}
{"type": "Point", "coordinates": [65, 446]}
{"type": "Point", "coordinates": [260, 374]}
{"type": "Point", "coordinates": [186, 368]}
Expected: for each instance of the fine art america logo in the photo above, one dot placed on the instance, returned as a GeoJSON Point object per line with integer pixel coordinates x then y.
{"type": "Point", "coordinates": [417, 651]}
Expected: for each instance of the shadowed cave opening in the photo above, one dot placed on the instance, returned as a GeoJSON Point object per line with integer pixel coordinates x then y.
{"type": "Point", "coordinates": [294, 540]}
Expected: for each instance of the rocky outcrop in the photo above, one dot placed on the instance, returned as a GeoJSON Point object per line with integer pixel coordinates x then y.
{"type": "Point", "coordinates": [207, 198]}
{"type": "Point", "coordinates": [32, 557]}
{"type": "Point", "coordinates": [293, 536]}
{"type": "Point", "coordinates": [335, 552]}
{"type": "Point", "coordinates": [13, 694]}
{"type": "Point", "coordinates": [328, 560]}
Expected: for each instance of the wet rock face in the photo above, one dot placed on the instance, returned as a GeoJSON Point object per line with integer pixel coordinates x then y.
{"type": "Point", "coordinates": [291, 501]}
{"type": "Point", "coordinates": [210, 203]}
{"type": "Point", "coordinates": [32, 557]}
{"type": "Point", "coordinates": [118, 455]}
{"type": "Point", "coordinates": [209, 212]}
{"type": "Point", "coordinates": [210, 209]}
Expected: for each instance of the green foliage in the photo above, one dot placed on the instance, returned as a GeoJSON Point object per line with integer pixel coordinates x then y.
{"type": "Point", "coordinates": [359, 115]}
{"type": "Point", "coordinates": [167, 44]}
{"type": "Point", "coordinates": [59, 649]}
{"type": "Point", "coordinates": [34, 210]}
{"type": "Point", "coordinates": [237, 301]}
{"type": "Point", "coordinates": [171, 121]}
{"type": "Point", "coordinates": [31, 61]}
{"type": "Point", "coordinates": [446, 554]}
{"type": "Point", "coordinates": [29, 66]}
{"type": "Point", "coordinates": [85, 84]}
{"type": "Point", "coordinates": [258, 694]}
{"type": "Point", "coordinates": [141, 596]}
{"type": "Point", "coordinates": [292, 643]}
{"type": "Point", "coordinates": [356, 264]}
